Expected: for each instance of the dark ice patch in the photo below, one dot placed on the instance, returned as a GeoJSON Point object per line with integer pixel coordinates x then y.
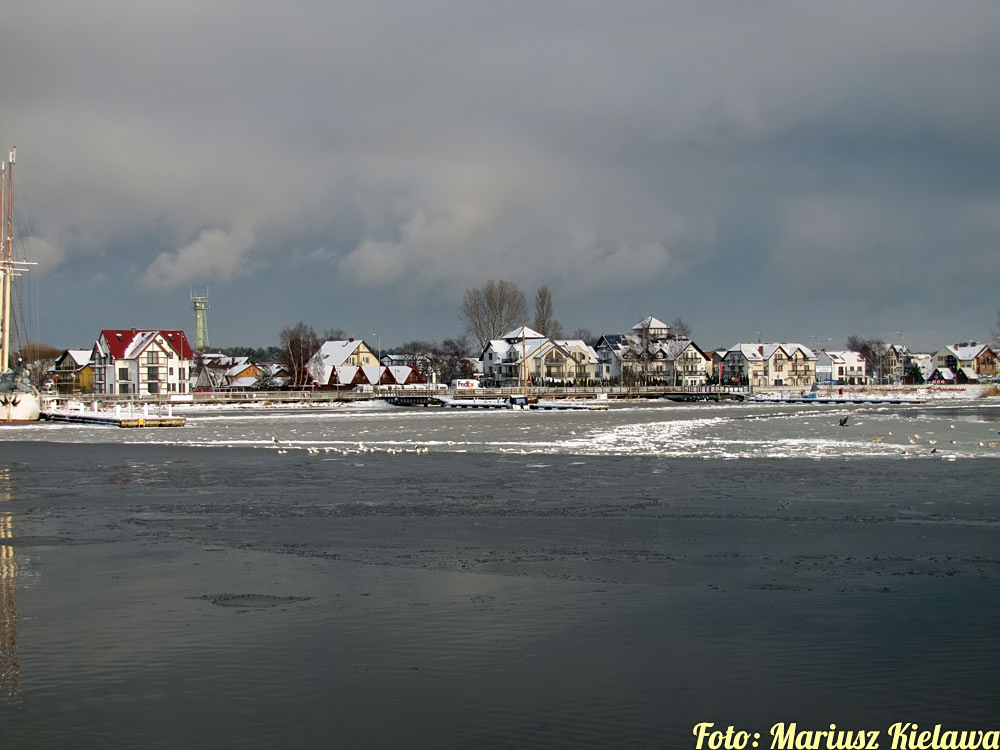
{"type": "Point", "coordinates": [249, 601]}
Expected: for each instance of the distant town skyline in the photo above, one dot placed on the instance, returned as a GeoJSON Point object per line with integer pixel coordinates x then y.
{"type": "Point", "coordinates": [793, 172]}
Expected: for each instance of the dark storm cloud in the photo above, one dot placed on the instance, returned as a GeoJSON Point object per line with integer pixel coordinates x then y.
{"type": "Point", "coordinates": [842, 155]}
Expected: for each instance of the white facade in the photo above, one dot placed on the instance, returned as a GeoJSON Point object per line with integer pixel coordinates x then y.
{"type": "Point", "coordinates": [840, 367]}
{"type": "Point", "coordinates": [141, 363]}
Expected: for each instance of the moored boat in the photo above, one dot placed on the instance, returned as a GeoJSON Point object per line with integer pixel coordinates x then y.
{"type": "Point", "coordinates": [19, 398]}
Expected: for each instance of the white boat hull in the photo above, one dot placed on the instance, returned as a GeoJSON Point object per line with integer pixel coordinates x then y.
{"type": "Point", "coordinates": [20, 407]}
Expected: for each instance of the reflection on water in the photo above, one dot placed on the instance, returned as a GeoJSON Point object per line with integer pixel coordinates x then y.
{"type": "Point", "coordinates": [10, 670]}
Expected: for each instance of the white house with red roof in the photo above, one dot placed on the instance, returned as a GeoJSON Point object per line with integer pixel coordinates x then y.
{"type": "Point", "coordinates": [141, 362]}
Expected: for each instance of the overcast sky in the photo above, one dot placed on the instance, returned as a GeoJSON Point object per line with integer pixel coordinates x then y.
{"type": "Point", "coordinates": [793, 171]}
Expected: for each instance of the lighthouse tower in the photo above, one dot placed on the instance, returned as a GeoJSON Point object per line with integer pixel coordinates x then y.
{"type": "Point", "coordinates": [200, 304]}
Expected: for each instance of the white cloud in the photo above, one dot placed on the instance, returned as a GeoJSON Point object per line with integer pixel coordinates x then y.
{"type": "Point", "coordinates": [45, 254]}
{"type": "Point", "coordinates": [214, 254]}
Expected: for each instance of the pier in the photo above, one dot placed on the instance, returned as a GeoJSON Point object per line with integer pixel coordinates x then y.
{"type": "Point", "coordinates": [118, 418]}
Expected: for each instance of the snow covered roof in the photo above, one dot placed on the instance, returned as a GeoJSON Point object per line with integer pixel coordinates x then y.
{"type": "Point", "coordinates": [345, 375]}
{"type": "Point", "coordinates": [335, 353]}
{"type": "Point", "coordinates": [329, 357]}
{"type": "Point", "coordinates": [246, 382]}
{"type": "Point", "coordinates": [967, 351]}
{"type": "Point", "coordinates": [130, 343]}
{"type": "Point", "coordinates": [673, 349]}
{"type": "Point", "coordinates": [758, 352]}
{"type": "Point", "coordinates": [751, 352]}
{"type": "Point", "coordinates": [573, 344]}
{"type": "Point", "coordinates": [223, 360]}
{"type": "Point", "coordinates": [650, 322]}
{"type": "Point", "coordinates": [80, 357]}
{"type": "Point", "coordinates": [521, 333]}
{"type": "Point", "coordinates": [403, 374]}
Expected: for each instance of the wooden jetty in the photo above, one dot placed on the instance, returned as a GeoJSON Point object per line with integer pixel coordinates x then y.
{"type": "Point", "coordinates": [113, 420]}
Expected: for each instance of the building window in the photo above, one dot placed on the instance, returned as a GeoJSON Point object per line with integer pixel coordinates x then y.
{"type": "Point", "coordinates": [123, 374]}
{"type": "Point", "coordinates": [123, 388]}
{"type": "Point", "coordinates": [153, 387]}
{"type": "Point", "coordinates": [153, 358]}
{"type": "Point", "coordinates": [153, 373]}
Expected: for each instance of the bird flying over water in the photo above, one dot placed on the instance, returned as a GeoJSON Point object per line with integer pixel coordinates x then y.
{"type": "Point", "coordinates": [843, 422]}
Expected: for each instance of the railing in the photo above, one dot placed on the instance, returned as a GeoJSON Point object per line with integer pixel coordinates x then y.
{"type": "Point", "coordinates": [376, 392]}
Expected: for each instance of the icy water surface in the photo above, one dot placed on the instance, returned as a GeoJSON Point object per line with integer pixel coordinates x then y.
{"type": "Point", "coordinates": [954, 428]}
{"type": "Point", "coordinates": [426, 579]}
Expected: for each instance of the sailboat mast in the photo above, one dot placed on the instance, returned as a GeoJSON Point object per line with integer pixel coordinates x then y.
{"type": "Point", "coordinates": [5, 265]}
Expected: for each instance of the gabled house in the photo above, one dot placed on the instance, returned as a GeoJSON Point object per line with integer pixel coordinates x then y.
{"type": "Point", "coordinates": [841, 368]}
{"type": "Point", "coordinates": [141, 362]}
{"type": "Point", "coordinates": [640, 356]}
{"type": "Point", "coordinates": [220, 372]}
{"type": "Point", "coordinates": [73, 372]}
{"type": "Point", "coordinates": [743, 364]}
{"type": "Point", "coordinates": [961, 376]}
{"type": "Point", "coordinates": [895, 360]}
{"type": "Point", "coordinates": [526, 355]}
{"type": "Point", "coordinates": [773, 364]}
{"type": "Point", "coordinates": [504, 359]}
{"type": "Point", "coordinates": [332, 356]}
{"type": "Point", "coordinates": [348, 364]}
{"type": "Point", "coordinates": [970, 356]}
{"type": "Point", "coordinates": [685, 363]}
{"type": "Point", "coordinates": [610, 355]}
{"type": "Point", "coordinates": [214, 372]}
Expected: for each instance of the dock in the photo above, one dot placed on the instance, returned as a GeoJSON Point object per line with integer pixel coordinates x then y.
{"type": "Point", "coordinates": [522, 402]}
{"type": "Point", "coordinates": [112, 420]}
{"type": "Point", "coordinates": [834, 400]}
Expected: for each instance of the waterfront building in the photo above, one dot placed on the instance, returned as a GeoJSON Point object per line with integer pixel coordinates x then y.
{"type": "Point", "coordinates": [141, 362]}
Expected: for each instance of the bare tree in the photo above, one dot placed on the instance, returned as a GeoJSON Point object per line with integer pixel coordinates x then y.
{"type": "Point", "coordinates": [873, 350]}
{"type": "Point", "coordinates": [334, 334]}
{"type": "Point", "coordinates": [38, 360]}
{"type": "Point", "coordinates": [298, 343]}
{"type": "Point", "coordinates": [996, 334]}
{"type": "Point", "coordinates": [417, 354]}
{"type": "Point", "coordinates": [679, 329]}
{"type": "Point", "coordinates": [493, 309]}
{"type": "Point", "coordinates": [586, 335]}
{"type": "Point", "coordinates": [452, 360]}
{"type": "Point", "coordinates": [545, 322]}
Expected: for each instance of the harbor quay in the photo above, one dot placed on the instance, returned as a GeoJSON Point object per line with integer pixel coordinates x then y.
{"type": "Point", "coordinates": [432, 395]}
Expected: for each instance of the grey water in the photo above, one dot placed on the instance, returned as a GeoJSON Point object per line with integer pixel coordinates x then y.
{"type": "Point", "coordinates": [381, 577]}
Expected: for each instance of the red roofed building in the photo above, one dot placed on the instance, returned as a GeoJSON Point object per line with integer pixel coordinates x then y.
{"type": "Point", "coordinates": [141, 362]}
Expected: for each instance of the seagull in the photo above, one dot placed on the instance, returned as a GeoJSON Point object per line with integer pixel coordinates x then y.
{"type": "Point", "coordinates": [275, 440]}
{"type": "Point", "coordinates": [843, 422]}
